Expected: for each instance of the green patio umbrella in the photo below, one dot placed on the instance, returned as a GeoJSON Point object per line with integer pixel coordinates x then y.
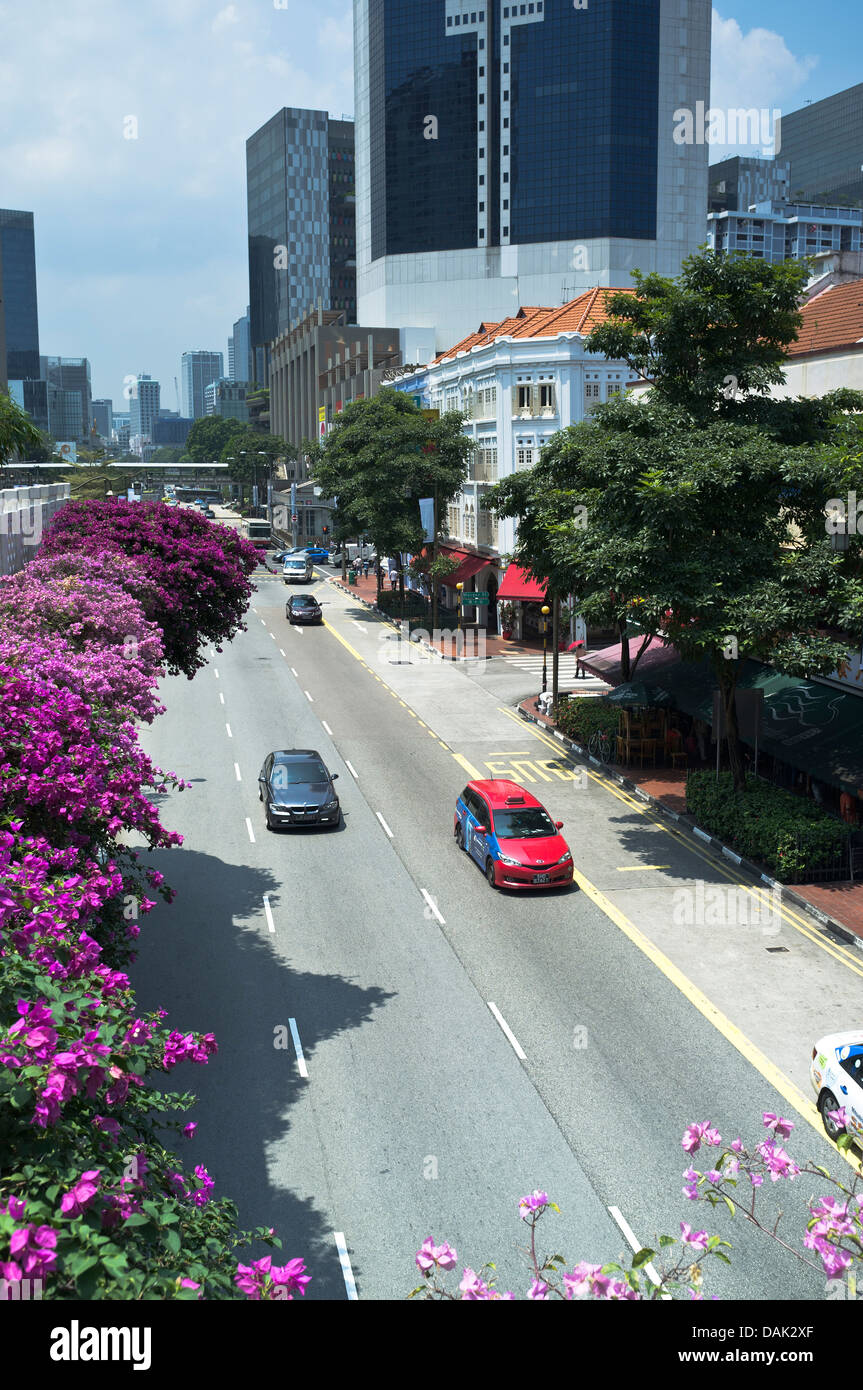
{"type": "Point", "coordinates": [639, 693]}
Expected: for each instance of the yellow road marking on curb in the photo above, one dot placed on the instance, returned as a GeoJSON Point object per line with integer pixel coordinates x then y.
{"type": "Point", "coordinates": [468, 767]}
{"type": "Point", "coordinates": [699, 1000]}
{"type": "Point", "coordinates": [846, 955]}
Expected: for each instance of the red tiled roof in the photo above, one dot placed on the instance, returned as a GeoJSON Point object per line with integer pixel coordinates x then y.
{"type": "Point", "coordinates": [833, 319]}
{"type": "Point", "coordinates": [580, 315]}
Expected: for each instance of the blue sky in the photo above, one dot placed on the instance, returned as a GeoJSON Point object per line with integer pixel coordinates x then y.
{"type": "Point", "coordinates": [140, 243]}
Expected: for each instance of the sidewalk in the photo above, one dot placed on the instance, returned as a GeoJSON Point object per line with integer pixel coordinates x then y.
{"type": "Point", "coordinates": [495, 645]}
{"type": "Point", "coordinates": [838, 903]}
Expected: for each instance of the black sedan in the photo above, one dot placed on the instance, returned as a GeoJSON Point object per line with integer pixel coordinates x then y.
{"type": "Point", "coordinates": [297, 789]}
{"type": "Point", "coordinates": [303, 608]}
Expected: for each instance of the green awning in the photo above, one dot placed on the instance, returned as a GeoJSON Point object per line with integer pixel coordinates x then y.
{"type": "Point", "coordinates": [815, 728]}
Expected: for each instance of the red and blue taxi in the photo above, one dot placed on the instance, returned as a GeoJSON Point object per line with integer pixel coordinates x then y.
{"type": "Point", "coordinates": [511, 836]}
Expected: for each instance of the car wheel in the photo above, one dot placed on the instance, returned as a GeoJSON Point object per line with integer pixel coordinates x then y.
{"type": "Point", "coordinates": [459, 836]}
{"type": "Point", "coordinates": [491, 873]}
{"type": "Point", "coordinates": [827, 1101]}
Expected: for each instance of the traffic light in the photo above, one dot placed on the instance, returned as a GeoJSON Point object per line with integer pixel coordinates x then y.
{"type": "Point", "coordinates": [326, 530]}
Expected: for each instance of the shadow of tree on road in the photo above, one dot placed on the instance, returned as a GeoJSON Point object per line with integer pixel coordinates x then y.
{"type": "Point", "coordinates": [215, 932]}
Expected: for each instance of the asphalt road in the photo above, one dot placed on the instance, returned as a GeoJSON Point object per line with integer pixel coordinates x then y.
{"type": "Point", "coordinates": [417, 1117]}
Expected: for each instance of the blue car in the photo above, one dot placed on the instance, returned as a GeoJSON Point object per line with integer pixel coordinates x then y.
{"type": "Point", "coordinates": [318, 554]}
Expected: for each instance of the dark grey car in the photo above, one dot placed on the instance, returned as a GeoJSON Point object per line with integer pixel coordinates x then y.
{"type": "Point", "coordinates": [297, 789]}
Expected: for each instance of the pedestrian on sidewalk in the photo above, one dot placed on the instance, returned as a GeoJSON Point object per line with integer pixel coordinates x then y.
{"type": "Point", "coordinates": [366, 568]}
{"type": "Point", "coordinates": [394, 579]}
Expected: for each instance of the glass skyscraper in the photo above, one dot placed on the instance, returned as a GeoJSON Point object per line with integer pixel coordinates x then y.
{"type": "Point", "coordinates": [239, 357]}
{"type": "Point", "coordinates": [18, 260]}
{"type": "Point", "coordinates": [197, 370]}
{"type": "Point", "coordinates": [518, 153]}
{"type": "Point", "coordinates": [301, 211]}
{"type": "Point", "coordinates": [824, 145]}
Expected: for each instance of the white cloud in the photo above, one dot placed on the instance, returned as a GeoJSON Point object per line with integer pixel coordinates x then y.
{"type": "Point", "coordinates": [337, 34]}
{"type": "Point", "coordinates": [752, 69]}
{"type": "Point", "coordinates": [225, 18]}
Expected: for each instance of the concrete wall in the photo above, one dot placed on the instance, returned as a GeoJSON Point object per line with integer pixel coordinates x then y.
{"type": "Point", "coordinates": [25, 513]}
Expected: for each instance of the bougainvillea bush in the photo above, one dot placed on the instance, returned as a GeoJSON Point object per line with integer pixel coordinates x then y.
{"type": "Point", "coordinates": [731, 1181]}
{"type": "Point", "coordinates": [92, 1203]}
{"type": "Point", "coordinates": [192, 577]}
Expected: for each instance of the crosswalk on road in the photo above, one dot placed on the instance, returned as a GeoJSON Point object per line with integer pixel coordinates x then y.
{"type": "Point", "coordinates": [532, 662]}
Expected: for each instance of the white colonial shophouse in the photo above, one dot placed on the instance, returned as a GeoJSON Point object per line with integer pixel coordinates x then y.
{"type": "Point", "coordinates": [519, 382]}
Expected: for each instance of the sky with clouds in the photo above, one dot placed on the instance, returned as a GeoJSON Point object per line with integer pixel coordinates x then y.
{"type": "Point", "coordinates": [141, 243]}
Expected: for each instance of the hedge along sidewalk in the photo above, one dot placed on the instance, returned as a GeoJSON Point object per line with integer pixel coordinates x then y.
{"type": "Point", "coordinates": [849, 931]}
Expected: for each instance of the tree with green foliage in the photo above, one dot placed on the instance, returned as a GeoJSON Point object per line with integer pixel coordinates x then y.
{"type": "Point", "coordinates": [208, 437]}
{"type": "Point", "coordinates": [380, 458]}
{"type": "Point", "coordinates": [696, 513]}
{"type": "Point", "coordinates": [250, 456]}
{"type": "Point", "coordinates": [18, 434]}
{"type": "Point", "coordinates": [720, 331]}
{"type": "Point", "coordinates": [168, 453]}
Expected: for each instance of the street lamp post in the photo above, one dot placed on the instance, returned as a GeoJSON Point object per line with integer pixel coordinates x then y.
{"type": "Point", "coordinates": [458, 644]}
{"type": "Point", "coordinates": [545, 610]}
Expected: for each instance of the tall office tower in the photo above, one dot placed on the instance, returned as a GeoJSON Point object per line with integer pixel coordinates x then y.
{"type": "Point", "coordinates": [71, 374]}
{"type": "Point", "coordinates": [18, 258]}
{"type": "Point", "coordinates": [103, 418]}
{"type": "Point", "coordinates": [302, 224]}
{"type": "Point", "coordinates": [198, 369]}
{"type": "Point", "coordinates": [824, 145]}
{"type": "Point", "coordinates": [514, 154]}
{"type": "Point", "coordinates": [144, 408]}
{"type": "Point", "coordinates": [239, 365]}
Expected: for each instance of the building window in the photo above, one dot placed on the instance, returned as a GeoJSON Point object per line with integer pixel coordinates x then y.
{"type": "Point", "coordinates": [546, 396]}
{"type": "Point", "coordinates": [506, 149]}
{"type": "Point", "coordinates": [506, 231]}
{"type": "Point", "coordinates": [482, 72]}
{"type": "Point", "coordinates": [482, 125]}
{"type": "Point", "coordinates": [523, 395]}
{"type": "Point", "coordinates": [591, 396]}
{"type": "Point", "coordinates": [482, 152]}
{"type": "Point", "coordinates": [524, 458]}
{"type": "Point", "coordinates": [506, 204]}
{"type": "Point", "coordinates": [482, 178]}
{"type": "Point", "coordinates": [614, 389]}
{"type": "Point", "coordinates": [482, 207]}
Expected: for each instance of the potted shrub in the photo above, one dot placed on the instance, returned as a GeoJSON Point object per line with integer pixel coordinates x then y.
{"type": "Point", "coordinates": [506, 617]}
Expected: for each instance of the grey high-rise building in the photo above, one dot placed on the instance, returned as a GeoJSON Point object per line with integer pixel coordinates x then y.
{"type": "Point", "coordinates": [198, 369]}
{"type": "Point", "coordinates": [735, 184]}
{"type": "Point", "coordinates": [103, 418]}
{"type": "Point", "coordinates": [144, 408]}
{"type": "Point", "coordinates": [18, 259]}
{"type": "Point", "coordinates": [72, 375]}
{"type": "Point", "coordinates": [239, 354]}
{"type": "Point", "coordinates": [516, 153]}
{"type": "Point", "coordinates": [302, 224]}
{"type": "Point", "coordinates": [824, 146]}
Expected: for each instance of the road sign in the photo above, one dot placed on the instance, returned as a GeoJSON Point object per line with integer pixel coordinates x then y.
{"type": "Point", "coordinates": [474, 600]}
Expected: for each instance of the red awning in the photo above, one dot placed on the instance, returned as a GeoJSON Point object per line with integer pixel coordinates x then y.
{"type": "Point", "coordinates": [520, 584]}
{"type": "Point", "coordinates": [470, 565]}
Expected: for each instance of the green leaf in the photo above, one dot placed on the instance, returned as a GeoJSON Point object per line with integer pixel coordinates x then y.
{"type": "Point", "coordinates": [642, 1257]}
{"type": "Point", "coordinates": [173, 1242]}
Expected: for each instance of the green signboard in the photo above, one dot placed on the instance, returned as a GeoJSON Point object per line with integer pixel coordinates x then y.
{"type": "Point", "coordinates": [474, 600]}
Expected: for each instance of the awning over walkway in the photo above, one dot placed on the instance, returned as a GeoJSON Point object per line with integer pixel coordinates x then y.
{"type": "Point", "coordinates": [520, 584]}
{"type": "Point", "coordinates": [470, 565]}
{"type": "Point", "coordinates": [656, 657]}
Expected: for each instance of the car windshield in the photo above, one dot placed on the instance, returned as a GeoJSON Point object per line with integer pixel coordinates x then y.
{"type": "Point", "coordinates": [298, 773]}
{"type": "Point", "coordinates": [304, 601]}
{"type": "Point", "coordinates": [527, 823]}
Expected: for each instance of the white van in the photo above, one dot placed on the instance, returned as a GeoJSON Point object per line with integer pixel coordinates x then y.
{"type": "Point", "coordinates": [297, 567]}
